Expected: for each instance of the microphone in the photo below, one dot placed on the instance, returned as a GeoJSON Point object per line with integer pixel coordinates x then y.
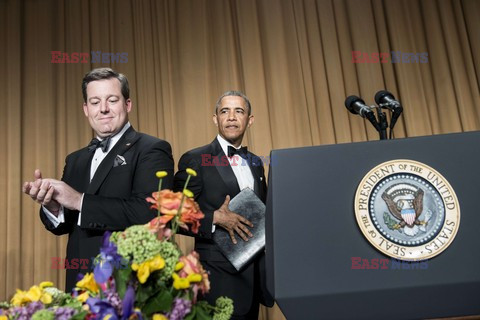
{"type": "Point", "coordinates": [386, 100]}
{"type": "Point", "coordinates": [357, 106]}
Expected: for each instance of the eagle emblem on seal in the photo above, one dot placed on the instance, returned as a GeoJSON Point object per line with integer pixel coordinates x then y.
{"type": "Point", "coordinates": [405, 205]}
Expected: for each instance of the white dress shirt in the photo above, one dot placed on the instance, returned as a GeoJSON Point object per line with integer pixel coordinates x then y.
{"type": "Point", "coordinates": [239, 166]}
{"type": "Point", "coordinates": [98, 157]}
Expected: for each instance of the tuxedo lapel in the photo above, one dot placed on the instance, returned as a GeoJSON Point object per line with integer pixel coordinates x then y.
{"type": "Point", "coordinates": [225, 170]}
{"type": "Point", "coordinates": [125, 143]}
{"type": "Point", "coordinates": [77, 175]}
{"type": "Point", "coordinates": [81, 179]}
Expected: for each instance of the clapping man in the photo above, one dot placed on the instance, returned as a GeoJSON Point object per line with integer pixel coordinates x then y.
{"type": "Point", "coordinates": [104, 185]}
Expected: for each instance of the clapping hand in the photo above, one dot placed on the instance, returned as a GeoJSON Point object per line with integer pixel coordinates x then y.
{"type": "Point", "coordinates": [41, 191]}
{"type": "Point", "coordinates": [52, 194]}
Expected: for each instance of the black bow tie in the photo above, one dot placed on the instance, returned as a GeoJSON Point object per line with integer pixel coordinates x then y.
{"type": "Point", "coordinates": [95, 143]}
{"type": "Point", "coordinates": [242, 152]}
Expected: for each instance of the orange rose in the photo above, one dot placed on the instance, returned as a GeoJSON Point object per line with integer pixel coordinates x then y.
{"type": "Point", "coordinates": [168, 203]}
{"type": "Point", "coordinates": [191, 215]}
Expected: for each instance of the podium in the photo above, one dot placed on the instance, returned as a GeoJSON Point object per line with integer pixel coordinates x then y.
{"type": "Point", "coordinates": [313, 239]}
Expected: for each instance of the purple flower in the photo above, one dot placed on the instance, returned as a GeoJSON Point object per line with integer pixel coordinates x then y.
{"type": "Point", "coordinates": [180, 309]}
{"type": "Point", "coordinates": [26, 312]}
{"type": "Point", "coordinates": [112, 297]}
{"type": "Point", "coordinates": [128, 302]}
{"type": "Point", "coordinates": [102, 308]}
{"type": "Point", "coordinates": [108, 248]}
{"type": "Point", "coordinates": [64, 313]}
{"type": "Point", "coordinates": [109, 258]}
{"type": "Point", "coordinates": [103, 270]}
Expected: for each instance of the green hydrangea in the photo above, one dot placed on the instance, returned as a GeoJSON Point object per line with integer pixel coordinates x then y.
{"type": "Point", "coordinates": [58, 296]}
{"type": "Point", "coordinates": [62, 299]}
{"type": "Point", "coordinates": [170, 254]}
{"type": "Point", "coordinates": [43, 315]}
{"type": "Point", "coordinates": [114, 236]}
{"type": "Point", "coordinates": [138, 244]}
{"type": "Point", "coordinates": [223, 308]}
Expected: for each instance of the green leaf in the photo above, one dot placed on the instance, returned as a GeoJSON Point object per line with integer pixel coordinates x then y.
{"type": "Point", "coordinates": [160, 302]}
{"type": "Point", "coordinates": [202, 313]}
{"type": "Point", "coordinates": [79, 316]}
{"type": "Point", "coordinates": [192, 314]}
{"type": "Point", "coordinates": [71, 303]}
{"type": "Point", "coordinates": [121, 280]}
{"type": "Point", "coordinates": [144, 292]}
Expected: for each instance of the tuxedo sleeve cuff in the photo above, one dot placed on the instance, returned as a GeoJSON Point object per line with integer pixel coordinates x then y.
{"type": "Point", "coordinates": [55, 220]}
{"type": "Point", "coordinates": [206, 225]}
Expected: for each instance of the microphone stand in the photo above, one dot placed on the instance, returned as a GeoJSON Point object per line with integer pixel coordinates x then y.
{"type": "Point", "coordinates": [383, 125]}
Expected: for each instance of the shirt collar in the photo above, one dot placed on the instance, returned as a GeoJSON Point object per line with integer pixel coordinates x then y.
{"type": "Point", "coordinates": [114, 139]}
{"type": "Point", "coordinates": [224, 144]}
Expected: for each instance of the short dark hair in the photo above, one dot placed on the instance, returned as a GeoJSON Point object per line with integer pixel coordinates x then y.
{"type": "Point", "coordinates": [105, 74]}
{"type": "Point", "coordinates": [235, 94]}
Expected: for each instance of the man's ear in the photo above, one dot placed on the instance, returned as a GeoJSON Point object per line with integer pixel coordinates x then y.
{"type": "Point", "coordinates": [215, 120]}
{"type": "Point", "coordinates": [85, 109]}
{"type": "Point", "coordinates": [251, 119]}
{"type": "Point", "coordinates": [129, 105]}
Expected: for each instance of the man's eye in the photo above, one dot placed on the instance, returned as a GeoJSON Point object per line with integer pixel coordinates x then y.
{"type": "Point", "coordinates": [95, 102]}
{"type": "Point", "coordinates": [113, 100]}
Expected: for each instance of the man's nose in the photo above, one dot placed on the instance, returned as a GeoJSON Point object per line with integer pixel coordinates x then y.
{"type": "Point", "coordinates": [104, 108]}
{"type": "Point", "coordinates": [232, 115]}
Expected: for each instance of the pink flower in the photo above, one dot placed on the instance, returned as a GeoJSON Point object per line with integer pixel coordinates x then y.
{"type": "Point", "coordinates": [192, 266]}
{"type": "Point", "coordinates": [158, 226]}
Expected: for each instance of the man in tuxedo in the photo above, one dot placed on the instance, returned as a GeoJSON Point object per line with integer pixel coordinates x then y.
{"type": "Point", "coordinates": [223, 170]}
{"type": "Point", "coordinates": [104, 185]}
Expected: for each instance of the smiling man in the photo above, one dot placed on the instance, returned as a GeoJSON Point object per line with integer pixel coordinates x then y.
{"type": "Point", "coordinates": [104, 185]}
{"type": "Point", "coordinates": [215, 184]}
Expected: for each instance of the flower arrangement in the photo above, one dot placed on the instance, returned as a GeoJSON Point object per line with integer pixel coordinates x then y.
{"type": "Point", "coordinates": [140, 273]}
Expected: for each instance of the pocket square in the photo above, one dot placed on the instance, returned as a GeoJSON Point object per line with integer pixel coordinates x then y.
{"type": "Point", "coordinates": [119, 161]}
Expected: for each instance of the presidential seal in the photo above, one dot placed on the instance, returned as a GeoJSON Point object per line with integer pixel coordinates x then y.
{"type": "Point", "coordinates": [407, 210]}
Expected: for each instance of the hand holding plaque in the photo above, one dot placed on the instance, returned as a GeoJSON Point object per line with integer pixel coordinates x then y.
{"type": "Point", "coordinates": [232, 222]}
{"type": "Point", "coordinates": [251, 209]}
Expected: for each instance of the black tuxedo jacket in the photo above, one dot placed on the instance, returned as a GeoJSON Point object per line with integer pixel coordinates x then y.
{"type": "Point", "coordinates": [215, 180]}
{"type": "Point", "coordinates": [114, 199]}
